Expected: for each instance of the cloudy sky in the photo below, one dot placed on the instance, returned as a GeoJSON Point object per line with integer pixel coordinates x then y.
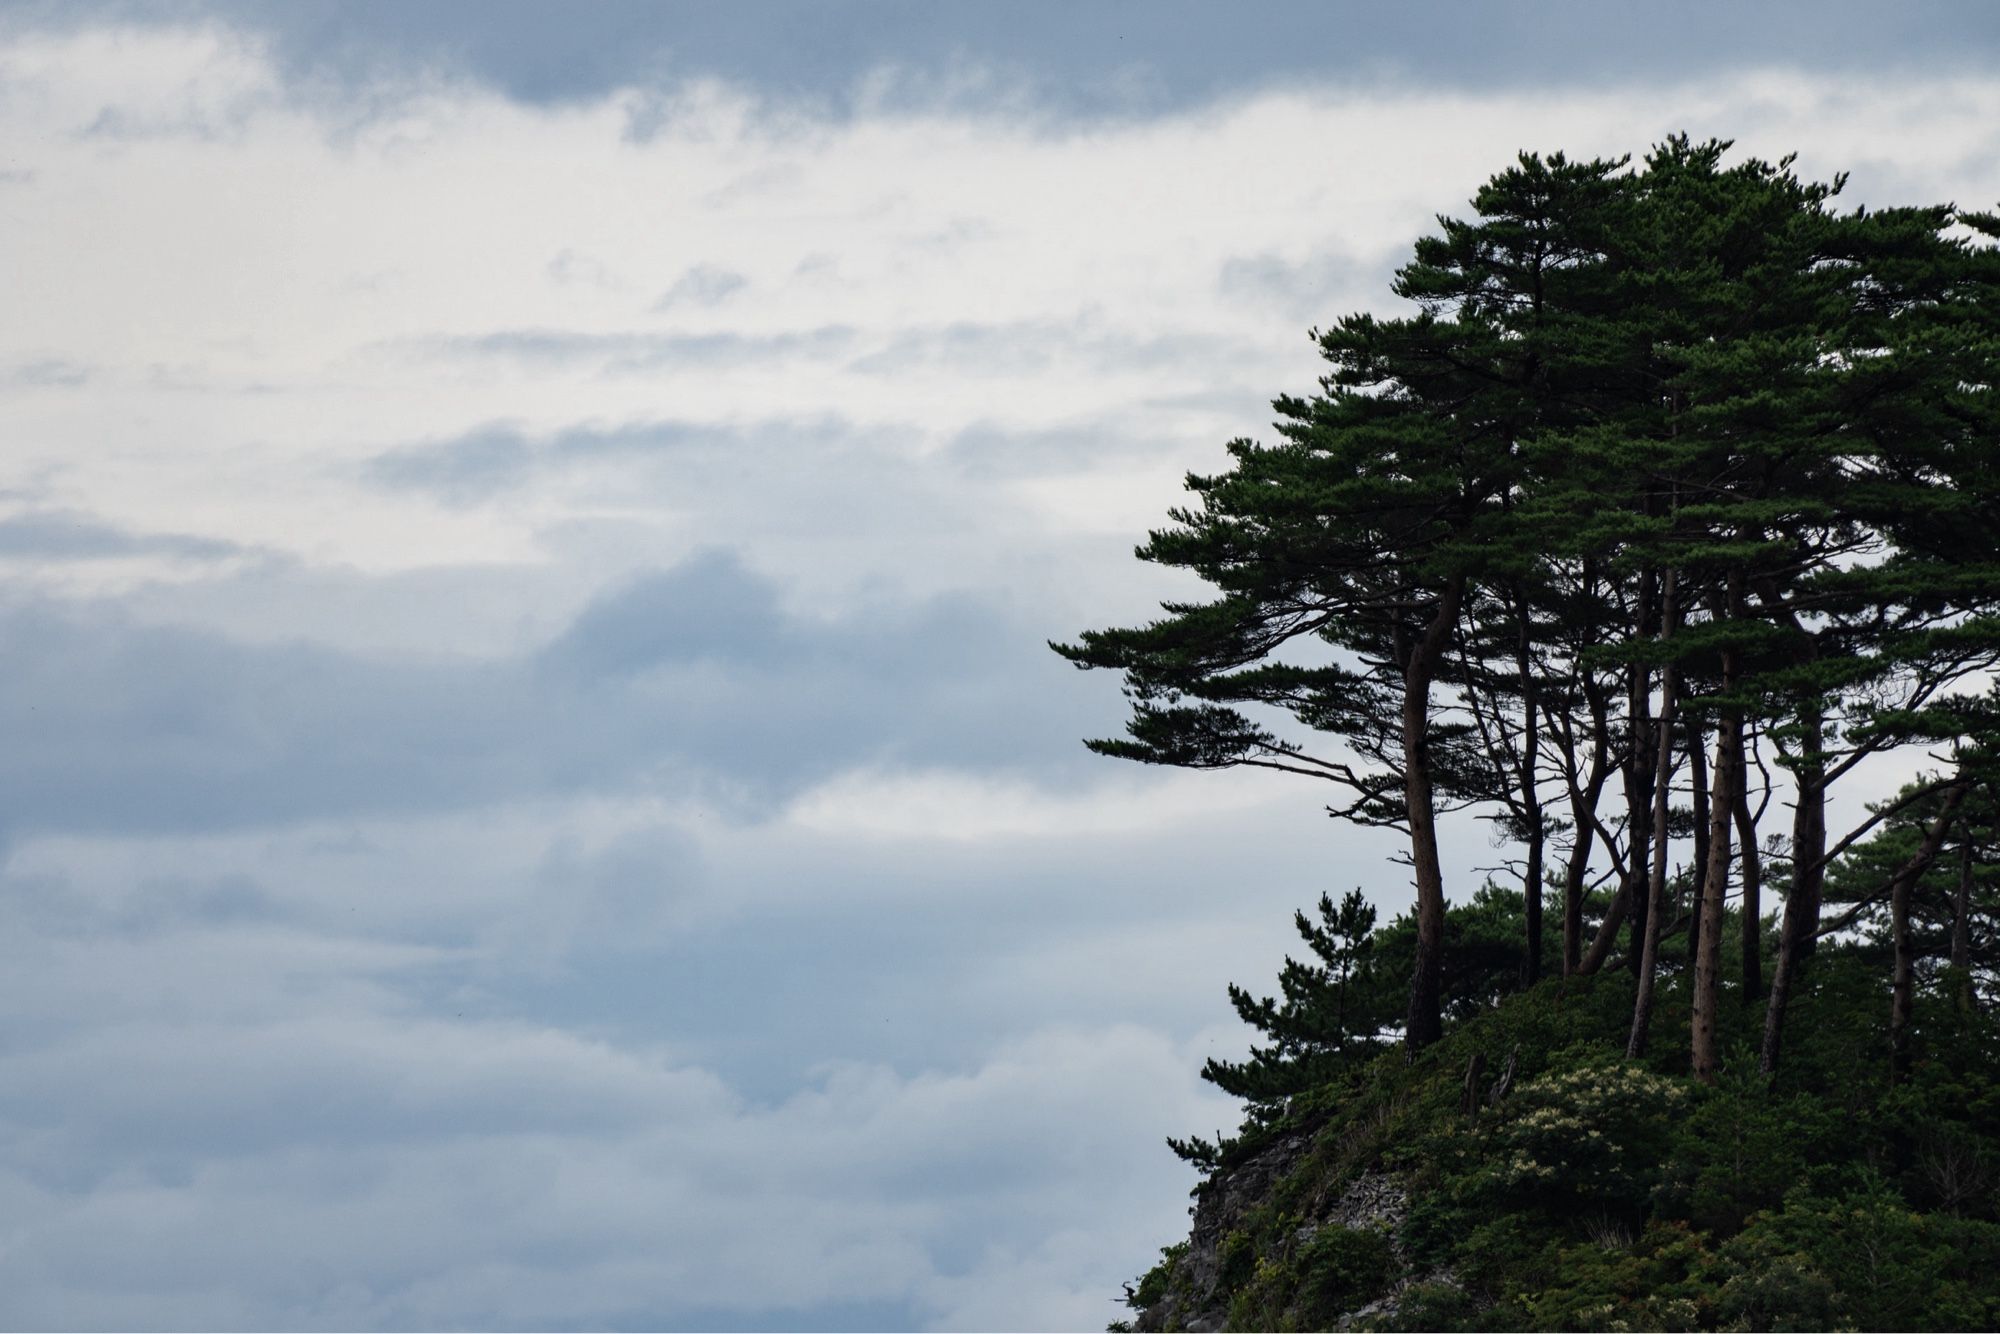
{"type": "Point", "coordinates": [531, 788]}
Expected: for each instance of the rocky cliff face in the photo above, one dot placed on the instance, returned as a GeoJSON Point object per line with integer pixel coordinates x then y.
{"type": "Point", "coordinates": [1336, 1255]}
{"type": "Point", "coordinates": [1195, 1297]}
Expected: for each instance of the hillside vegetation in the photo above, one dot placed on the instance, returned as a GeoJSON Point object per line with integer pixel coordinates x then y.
{"type": "Point", "coordinates": [1522, 1173]}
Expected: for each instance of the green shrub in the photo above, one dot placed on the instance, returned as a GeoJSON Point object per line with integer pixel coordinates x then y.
{"type": "Point", "coordinates": [1239, 1260]}
{"type": "Point", "coordinates": [1740, 1149]}
{"type": "Point", "coordinates": [1152, 1288]}
{"type": "Point", "coordinates": [1428, 1306]}
{"type": "Point", "coordinates": [1863, 1259]}
{"type": "Point", "coordinates": [1660, 1282]}
{"type": "Point", "coordinates": [1341, 1269]}
{"type": "Point", "coordinates": [1593, 1135]}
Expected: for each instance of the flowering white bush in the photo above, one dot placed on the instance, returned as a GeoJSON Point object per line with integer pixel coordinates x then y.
{"type": "Point", "coordinates": [1593, 1133]}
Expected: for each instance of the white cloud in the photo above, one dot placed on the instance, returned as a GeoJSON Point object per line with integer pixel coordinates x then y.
{"type": "Point", "coordinates": [315, 1158]}
{"type": "Point", "coordinates": [908, 807]}
{"type": "Point", "coordinates": [253, 295]}
{"type": "Point", "coordinates": [907, 1037]}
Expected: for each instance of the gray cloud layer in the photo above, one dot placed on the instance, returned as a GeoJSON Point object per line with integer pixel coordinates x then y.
{"type": "Point", "coordinates": [693, 678]}
{"type": "Point", "coordinates": [1120, 58]}
{"type": "Point", "coordinates": [57, 535]}
{"type": "Point", "coordinates": [432, 897]}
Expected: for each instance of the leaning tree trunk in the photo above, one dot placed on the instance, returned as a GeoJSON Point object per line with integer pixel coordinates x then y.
{"type": "Point", "coordinates": [1656, 889]}
{"type": "Point", "coordinates": [1531, 962]}
{"type": "Point", "coordinates": [1697, 753]}
{"type": "Point", "coordinates": [1424, 1023]}
{"type": "Point", "coordinates": [1801, 922]}
{"type": "Point", "coordinates": [1531, 793]}
{"type": "Point", "coordinates": [1583, 815]}
{"type": "Point", "coordinates": [1639, 833]}
{"type": "Point", "coordinates": [1961, 923]}
{"type": "Point", "coordinates": [1607, 930]}
{"type": "Point", "coordinates": [1640, 775]}
{"type": "Point", "coordinates": [1902, 986]}
{"type": "Point", "coordinates": [1531, 799]}
{"type": "Point", "coordinates": [1752, 940]}
{"type": "Point", "coordinates": [1575, 870]}
{"type": "Point", "coordinates": [1714, 882]}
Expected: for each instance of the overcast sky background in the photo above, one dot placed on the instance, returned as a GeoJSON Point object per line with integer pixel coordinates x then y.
{"type": "Point", "coordinates": [531, 789]}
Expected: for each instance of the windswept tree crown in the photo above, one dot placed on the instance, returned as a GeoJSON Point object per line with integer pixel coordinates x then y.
{"type": "Point", "coordinates": [1676, 478]}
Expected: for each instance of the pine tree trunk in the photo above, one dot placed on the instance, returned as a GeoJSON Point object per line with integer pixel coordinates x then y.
{"type": "Point", "coordinates": [1583, 811]}
{"type": "Point", "coordinates": [1753, 895]}
{"type": "Point", "coordinates": [1641, 773]}
{"type": "Point", "coordinates": [1714, 884]}
{"type": "Point", "coordinates": [1574, 872]}
{"type": "Point", "coordinates": [1531, 800]}
{"type": "Point", "coordinates": [1424, 1024]}
{"type": "Point", "coordinates": [1697, 752]}
{"type": "Point", "coordinates": [1902, 987]}
{"type": "Point", "coordinates": [1607, 932]}
{"type": "Point", "coordinates": [1531, 962]}
{"type": "Point", "coordinates": [1801, 921]}
{"type": "Point", "coordinates": [1902, 984]}
{"type": "Point", "coordinates": [1656, 889]}
{"type": "Point", "coordinates": [1961, 922]}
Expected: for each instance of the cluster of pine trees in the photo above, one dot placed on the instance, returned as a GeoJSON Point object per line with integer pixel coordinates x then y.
{"type": "Point", "coordinates": [1673, 506]}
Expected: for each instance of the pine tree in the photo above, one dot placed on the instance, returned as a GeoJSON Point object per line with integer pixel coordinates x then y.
{"type": "Point", "coordinates": [1365, 532]}
{"type": "Point", "coordinates": [1322, 1020]}
{"type": "Point", "coordinates": [1668, 458]}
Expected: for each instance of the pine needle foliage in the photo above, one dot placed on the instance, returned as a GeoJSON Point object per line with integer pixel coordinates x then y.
{"type": "Point", "coordinates": [1675, 477]}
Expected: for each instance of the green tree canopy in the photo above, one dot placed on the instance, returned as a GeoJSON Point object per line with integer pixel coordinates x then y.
{"type": "Point", "coordinates": [1664, 460]}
